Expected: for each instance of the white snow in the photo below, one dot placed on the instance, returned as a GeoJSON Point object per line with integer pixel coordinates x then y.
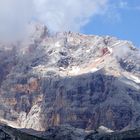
{"type": "Point", "coordinates": [94, 69]}
{"type": "Point", "coordinates": [110, 49]}
{"type": "Point", "coordinates": [97, 59]}
{"type": "Point", "coordinates": [132, 78]}
{"type": "Point", "coordinates": [118, 43]}
{"type": "Point", "coordinates": [13, 124]}
{"type": "Point", "coordinates": [75, 70]}
{"type": "Point", "coordinates": [103, 130]}
{"type": "Point", "coordinates": [87, 51]}
{"type": "Point", "coordinates": [58, 44]}
{"type": "Point", "coordinates": [70, 39]}
{"type": "Point", "coordinates": [135, 79]}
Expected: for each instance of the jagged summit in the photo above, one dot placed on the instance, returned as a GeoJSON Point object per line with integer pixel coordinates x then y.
{"type": "Point", "coordinates": [69, 78]}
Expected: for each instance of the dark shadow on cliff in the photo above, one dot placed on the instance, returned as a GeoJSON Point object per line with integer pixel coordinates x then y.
{"type": "Point", "coordinates": [9, 133]}
{"type": "Point", "coordinates": [88, 101]}
{"type": "Point", "coordinates": [7, 61]}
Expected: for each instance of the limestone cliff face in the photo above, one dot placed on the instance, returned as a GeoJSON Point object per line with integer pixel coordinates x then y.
{"type": "Point", "coordinates": [69, 78]}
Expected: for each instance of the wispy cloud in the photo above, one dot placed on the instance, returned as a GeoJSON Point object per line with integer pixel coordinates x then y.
{"type": "Point", "coordinates": [122, 4]}
{"type": "Point", "coordinates": [113, 13]}
{"type": "Point", "coordinates": [58, 15]}
{"type": "Point", "coordinates": [125, 5]}
{"type": "Point", "coordinates": [68, 14]}
{"type": "Point", "coordinates": [14, 15]}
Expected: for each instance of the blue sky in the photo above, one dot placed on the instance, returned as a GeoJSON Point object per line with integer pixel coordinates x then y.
{"type": "Point", "coordinates": [121, 20]}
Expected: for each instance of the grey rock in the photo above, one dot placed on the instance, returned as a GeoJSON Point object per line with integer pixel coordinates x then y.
{"type": "Point", "coordinates": [9, 133]}
{"type": "Point", "coordinates": [65, 132]}
{"type": "Point", "coordinates": [69, 78]}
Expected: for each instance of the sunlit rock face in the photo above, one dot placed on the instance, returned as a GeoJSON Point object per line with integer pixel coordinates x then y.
{"type": "Point", "coordinates": [69, 78]}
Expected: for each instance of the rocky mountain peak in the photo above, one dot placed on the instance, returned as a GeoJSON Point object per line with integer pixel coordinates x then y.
{"type": "Point", "coordinates": [69, 78]}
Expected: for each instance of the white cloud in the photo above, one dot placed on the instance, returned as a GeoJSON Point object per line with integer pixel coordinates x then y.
{"type": "Point", "coordinates": [114, 11]}
{"type": "Point", "coordinates": [14, 15]}
{"type": "Point", "coordinates": [126, 5]}
{"type": "Point", "coordinates": [122, 4]}
{"type": "Point", "coordinates": [58, 15]}
{"type": "Point", "coordinates": [68, 14]}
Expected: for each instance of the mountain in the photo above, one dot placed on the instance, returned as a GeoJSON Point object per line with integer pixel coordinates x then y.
{"type": "Point", "coordinates": [66, 133]}
{"type": "Point", "coordinates": [85, 81]}
{"type": "Point", "coordinates": [9, 133]}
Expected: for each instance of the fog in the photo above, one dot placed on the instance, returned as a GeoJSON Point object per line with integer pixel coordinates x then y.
{"type": "Point", "coordinates": [58, 15]}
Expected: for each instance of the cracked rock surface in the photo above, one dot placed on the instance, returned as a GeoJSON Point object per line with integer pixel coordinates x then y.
{"type": "Point", "coordinates": [69, 78]}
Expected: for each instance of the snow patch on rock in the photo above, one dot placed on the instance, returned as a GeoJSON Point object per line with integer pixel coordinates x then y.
{"type": "Point", "coordinates": [103, 130]}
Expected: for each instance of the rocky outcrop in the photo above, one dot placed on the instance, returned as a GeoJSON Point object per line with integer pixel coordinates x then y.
{"type": "Point", "coordinates": [9, 133]}
{"type": "Point", "coordinates": [126, 135]}
{"type": "Point", "coordinates": [66, 132]}
{"type": "Point", "coordinates": [69, 78]}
